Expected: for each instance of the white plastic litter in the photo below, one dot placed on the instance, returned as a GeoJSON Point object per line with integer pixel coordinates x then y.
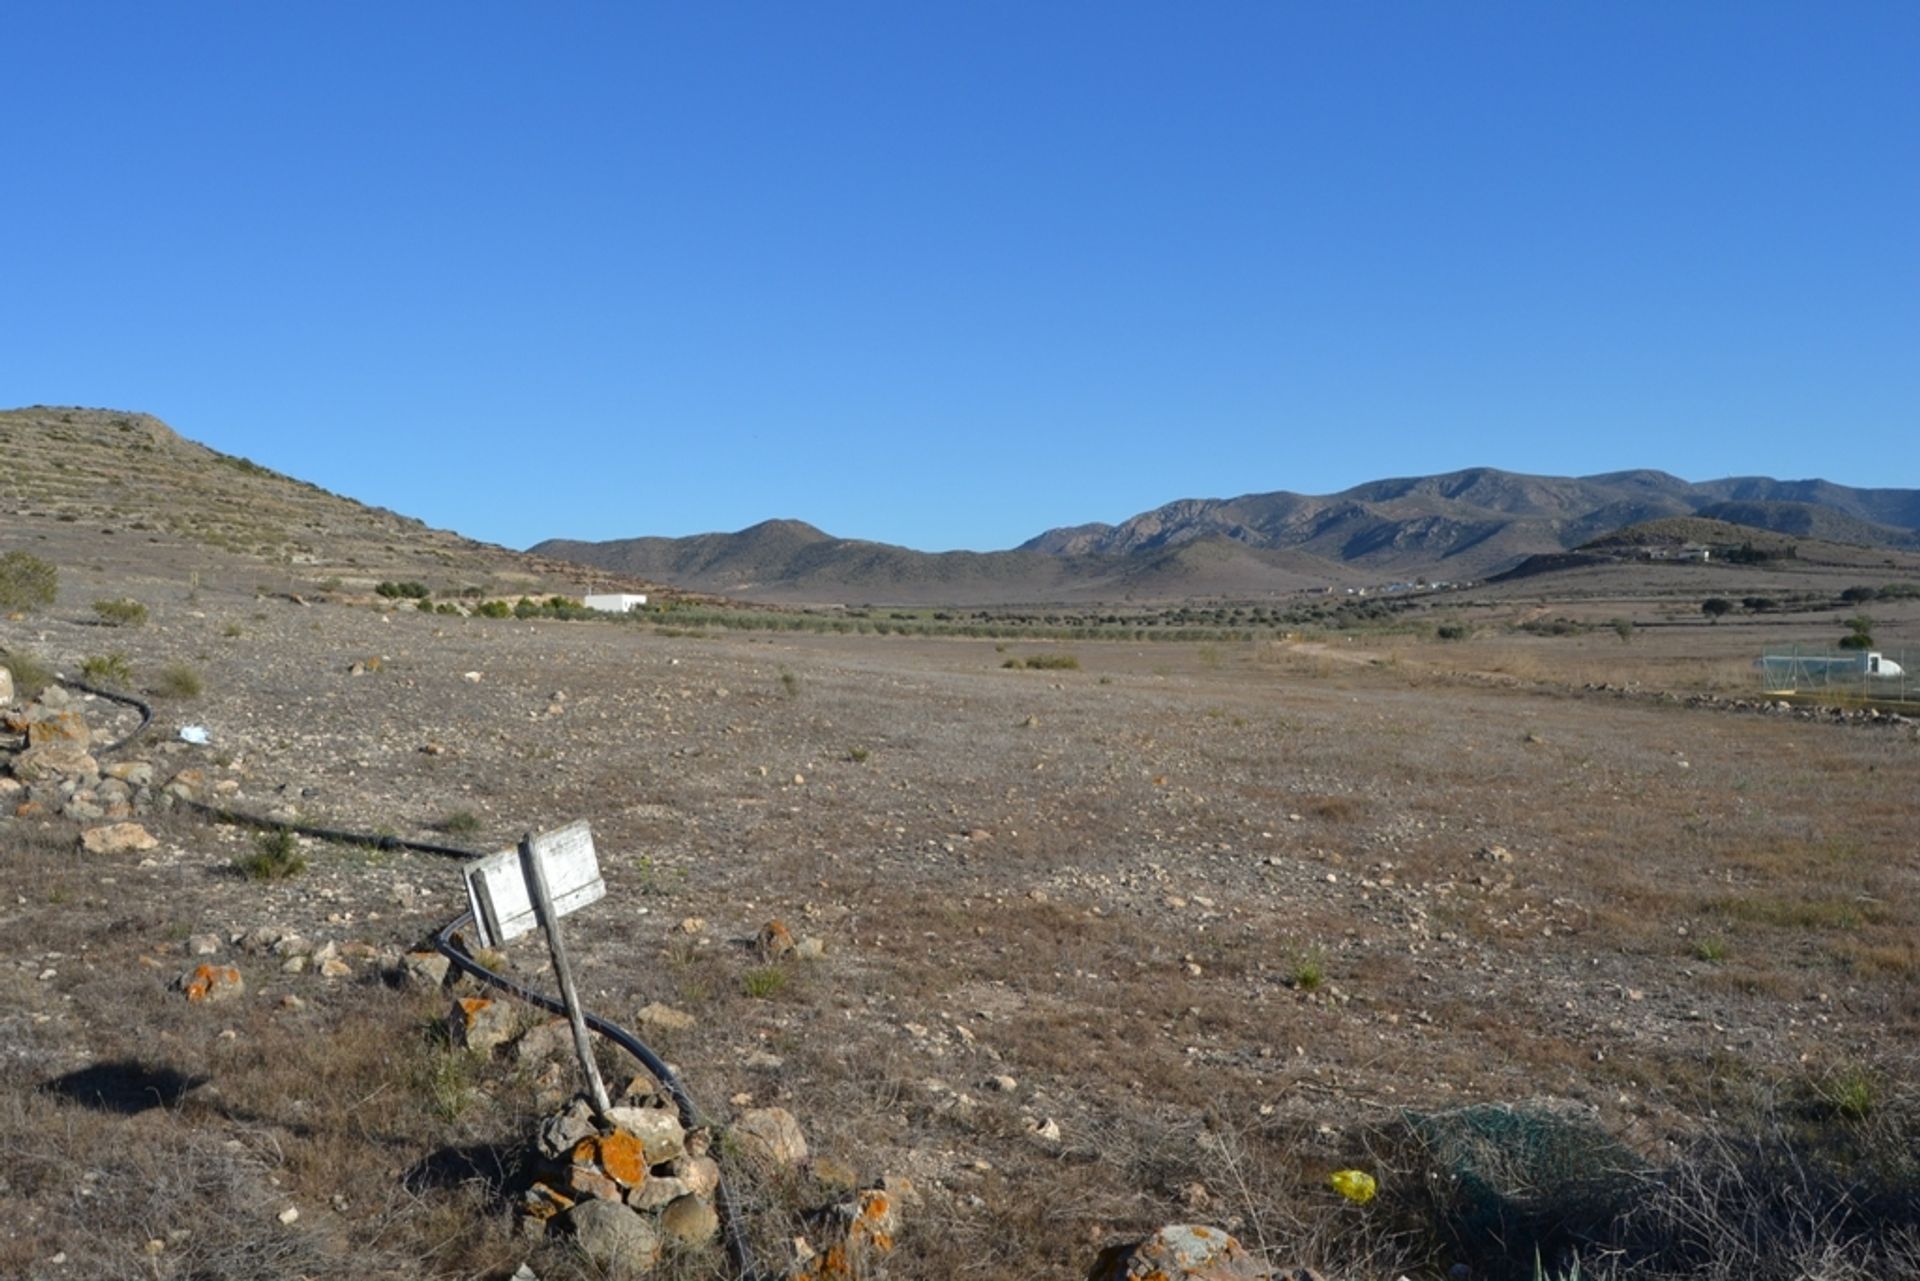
{"type": "Point", "coordinates": [196, 734]}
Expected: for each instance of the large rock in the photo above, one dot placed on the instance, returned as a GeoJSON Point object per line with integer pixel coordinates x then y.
{"type": "Point", "coordinates": [478, 1024]}
{"type": "Point", "coordinates": [770, 1137]}
{"type": "Point", "coordinates": [211, 983]}
{"type": "Point", "coordinates": [65, 727]}
{"type": "Point", "coordinates": [117, 838]}
{"type": "Point", "coordinates": [614, 1237]}
{"type": "Point", "coordinates": [658, 1130]}
{"type": "Point", "coordinates": [1182, 1252]}
{"type": "Point", "coordinates": [690, 1220]}
{"type": "Point", "coordinates": [52, 762]}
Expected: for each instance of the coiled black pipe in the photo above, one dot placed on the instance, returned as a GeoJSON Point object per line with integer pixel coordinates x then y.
{"type": "Point", "coordinates": [739, 1250]}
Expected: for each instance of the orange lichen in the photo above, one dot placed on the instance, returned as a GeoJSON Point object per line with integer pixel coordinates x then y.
{"type": "Point", "coordinates": [624, 1157]}
{"type": "Point", "coordinates": [206, 978]}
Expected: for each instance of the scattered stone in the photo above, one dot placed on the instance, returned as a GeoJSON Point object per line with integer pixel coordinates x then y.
{"type": "Point", "coordinates": [700, 1174]}
{"type": "Point", "coordinates": [203, 945]}
{"type": "Point", "coordinates": [426, 969]}
{"type": "Point", "coordinates": [614, 1237]}
{"type": "Point", "coordinates": [853, 1232]}
{"type": "Point", "coordinates": [1183, 1252]}
{"type": "Point", "coordinates": [1496, 854]}
{"type": "Point", "coordinates": [809, 948]}
{"type": "Point", "coordinates": [690, 1220]}
{"type": "Point", "coordinates": [290, 1215]}
{"type": "Point", "coordinates": [211, 983]}
{"type": "Point", "coordinates": [658, 1130]}
{"type": "Point", "coordinates": [561, 1134]}
{"type": "Point", "coordinates": [55, 762]}
{"type": "Point", "coordinates": [132, 773]}
{"type": "Point", "coordinates": [775, 940]}
{"type": "Point", "coordinates": [479, 1024]}
{"type": "Point", "coordinates": [335, 968]}
{"type": "Point", "coordinates": [543, 1041]}
{"type": "Point", "coordinates": [6, 686]}
{"type": "Point", "coordinates": [665, 1018]}
{"type": "Point", "coordinates": [693, 925]}
{"type": "Point", "coordinates": [1003, 1084]}
{"type": "Point", "coordinates": [770, 1137]}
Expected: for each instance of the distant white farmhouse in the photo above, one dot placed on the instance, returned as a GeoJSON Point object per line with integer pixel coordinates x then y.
{"type": "Point", "coordinates": [616, 602]}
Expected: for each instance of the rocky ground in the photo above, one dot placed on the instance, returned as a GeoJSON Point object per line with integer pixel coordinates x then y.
{"type": "Point", "coordinates": [1170, 935]}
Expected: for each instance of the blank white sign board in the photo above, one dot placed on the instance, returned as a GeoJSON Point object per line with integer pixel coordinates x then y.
{"type": "Point", "coordinates": [497, 885]}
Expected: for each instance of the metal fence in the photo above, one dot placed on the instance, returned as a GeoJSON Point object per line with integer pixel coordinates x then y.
{"type": "Point", "coordinates": [1868, 675]}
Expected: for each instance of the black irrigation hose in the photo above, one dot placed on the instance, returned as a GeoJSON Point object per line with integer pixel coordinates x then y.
{"type": "Point", "coordinates": [738, 1248]}
{"type": "Point", "coordinates": [142, 706]}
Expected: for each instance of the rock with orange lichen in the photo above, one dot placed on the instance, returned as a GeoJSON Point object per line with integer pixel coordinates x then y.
{"type": "Point", "coordinates": [658, 1129]}
{"type": "Point", "coordinates": [855, 1236]}
{"type": "Point", "coordinates": [479, 1024]}
{"type": "Point", "coordinates": [1182, 1252]}
{"type": "Point", "coordinates": [775, 940]}
{"type": "Point", "coordinates": [211, 983]}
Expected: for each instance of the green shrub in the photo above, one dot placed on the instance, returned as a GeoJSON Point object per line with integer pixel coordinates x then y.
{"type": "Point", "coordinates": [402, 591]}
{"type": "Point", "coordinates": [178, 680]}
{"type": "Point", "coordinates": [1453, 631]}
{"type": "Point", "coordinates": [460, 823]}
{"type": "Point", "coordinates": [764, 983]}
{"type": "Point", "coordinates": [789, 683]}
{"type": "Point", "coordinates": [27, 582]}
{"type": "Point", "coordinates": [107, 669]}
{"type": "Point", "coordinates": [121, 613]}
{"type": "Point", "coordinates": [276, 856]}
{"type": "Point", "coordinates": [493, 609]}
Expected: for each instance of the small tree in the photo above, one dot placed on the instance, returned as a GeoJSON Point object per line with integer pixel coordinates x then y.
{"type": "Point", "coordinates": [1861, 635]}
{"type": "Point", "coordinates": [1714, 606]}
{"type": "Point", "coordinates": [1623, 628]}
{"type": "Point", "coordinates": [27, 582]}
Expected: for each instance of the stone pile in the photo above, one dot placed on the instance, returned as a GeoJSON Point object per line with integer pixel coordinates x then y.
{"type": "Point", "coordinates": [623, 1184]}
{"type": "Point", "coordinates": [56, 773]}
{"type": "Point", "coordinates": [1190, 1252]}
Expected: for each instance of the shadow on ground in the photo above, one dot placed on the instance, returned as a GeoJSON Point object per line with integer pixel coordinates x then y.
{"type": "Point", "coordinates": [126, 1087]}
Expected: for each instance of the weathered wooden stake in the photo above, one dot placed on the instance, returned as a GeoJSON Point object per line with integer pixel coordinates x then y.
{"type": "Point", "coordinates": [543, 906]}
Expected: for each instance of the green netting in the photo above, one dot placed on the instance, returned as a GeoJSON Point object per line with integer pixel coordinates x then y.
{"type": "Point", "coordinates": [1526, 1170]}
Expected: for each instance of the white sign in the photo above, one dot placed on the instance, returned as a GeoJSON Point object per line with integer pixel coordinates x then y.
{"type": "Point", "coordinates": [497, 885]}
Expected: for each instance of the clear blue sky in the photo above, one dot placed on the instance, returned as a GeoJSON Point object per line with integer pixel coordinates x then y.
{"type": "Point", "coordinates": [949, 274]}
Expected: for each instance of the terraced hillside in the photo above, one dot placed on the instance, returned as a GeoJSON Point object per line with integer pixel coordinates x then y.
{"type": "Point", "coordinates": [109, 488]}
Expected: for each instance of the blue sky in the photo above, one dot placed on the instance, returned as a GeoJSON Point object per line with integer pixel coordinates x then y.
{"type": "Point", "coordinates": [950, 274]}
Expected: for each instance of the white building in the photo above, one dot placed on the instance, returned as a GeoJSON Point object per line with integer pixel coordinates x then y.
{"type": "Point", "coordinates": [616, 602]}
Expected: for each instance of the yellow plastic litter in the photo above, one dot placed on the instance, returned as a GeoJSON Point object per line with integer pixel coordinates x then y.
{"type": "Point", "coordinates": [1356, 1186]}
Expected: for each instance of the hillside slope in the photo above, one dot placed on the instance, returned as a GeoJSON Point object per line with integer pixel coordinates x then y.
{"type": "Point", "coordinates": [123, 490]}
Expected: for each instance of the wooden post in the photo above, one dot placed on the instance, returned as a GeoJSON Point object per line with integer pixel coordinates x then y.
{"type": "Point", "coordinates": [543, 906]}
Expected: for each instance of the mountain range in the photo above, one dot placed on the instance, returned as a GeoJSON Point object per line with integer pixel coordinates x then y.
{"type": "Point", "coordinates": [1460, 525]}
